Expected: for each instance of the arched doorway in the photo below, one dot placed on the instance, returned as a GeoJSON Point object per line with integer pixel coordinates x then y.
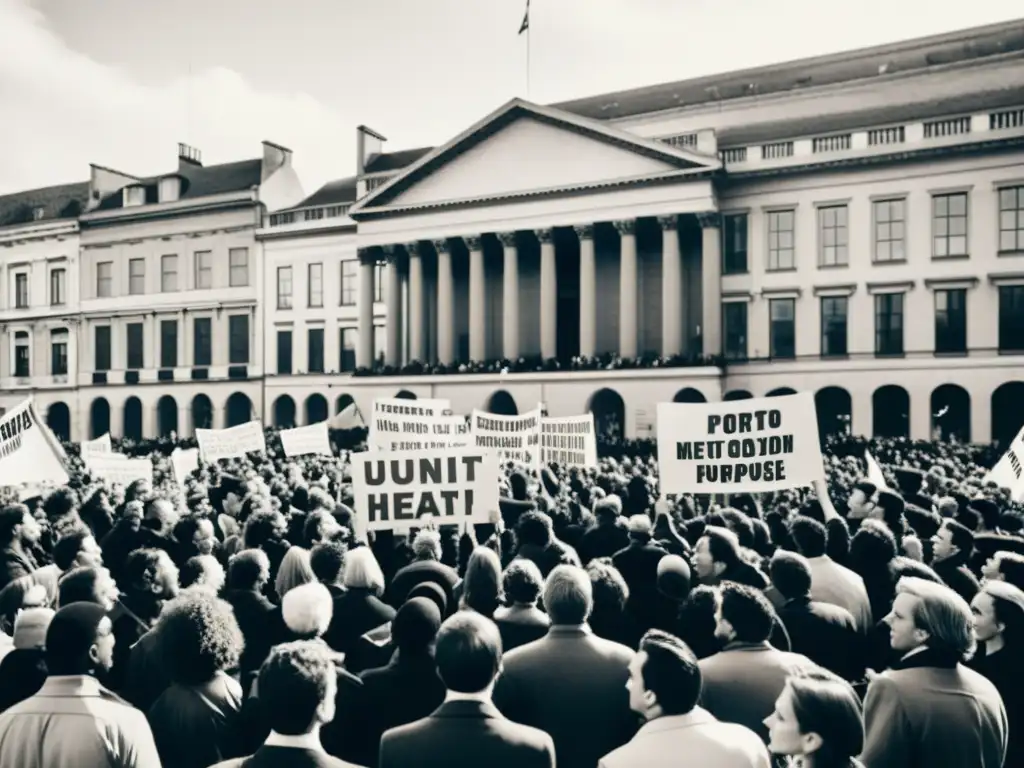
{"type": "Point", "coordinates": [284, 412]}
{"type": "Point", "coordinates": [890, 412]}
{"type": "Point", "coordinates": [781, 392]}
{"type": "Point", "coordinates": [951, 413]}
{"type": "Point", "coordinates": [133, 418]}
{"type": "Point", "coordinates": [609, 414]}
{"type": "Point", "coordinates": [689, 395]}
{"type": "Point", "coordinates": [834, 407]}
{"type": "Point", "coordinates": [1007, 412]}
{"type": "Point", "coordinates": [405, 394]}
{"type": "Point", "coordinates": [166, 416]}
{"type": "Point", "coordinates": [343, 402]}
{"type": "Point", "coordinates": [99, 418]}
{"type": "Point", "coordinates": [58, 419]}
{"type": "Point", "coordinates": [737, 394]}
{"type": "Point", "coordinates": [238, 410]}
{"type": "Point", "coordinates": [502, 403]}
{"type": "Point", "coordinates": [202, 412]}
{"type": "Point", "coordinates": [316, 409]}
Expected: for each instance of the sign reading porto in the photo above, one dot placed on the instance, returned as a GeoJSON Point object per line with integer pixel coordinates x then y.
{"type": "Point", "coordinates": [395, 489]}
{"type": "Point", "coordinates": [765, 444]}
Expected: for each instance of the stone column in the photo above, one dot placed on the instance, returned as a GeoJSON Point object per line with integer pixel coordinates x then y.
{"type": "Point", "coordinates": [711, 282]}
{"type": "Point", "coordinates": [548, 295]}
{"type": "Point", "coordinates": [627, 288]}
{"type": "Point", "coordinates": [671, 288]}
{"type": "Point", "coordinates": [477, 299]}
{"type": "Point", "coordinates": [185, 421]}
{"type": "Point", "coordinates": [365, 351]}
{"type": "Point", "coordinates": [445, 304]}
{"type": "Point", "coordinates": [417, 319]}
{"type": "Point", "coordinates": [393, 305]}
{"type": "Point", "coordinates": [510, 297]}
{"type": "Point", "coordinates": [588, 291]}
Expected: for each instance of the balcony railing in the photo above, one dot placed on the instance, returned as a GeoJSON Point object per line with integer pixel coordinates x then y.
{"type": "Point", "coordinates": [317, 213]}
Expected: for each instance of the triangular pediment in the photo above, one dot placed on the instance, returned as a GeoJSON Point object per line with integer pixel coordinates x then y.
{"type": "Point", "coordinates": [523, 149]}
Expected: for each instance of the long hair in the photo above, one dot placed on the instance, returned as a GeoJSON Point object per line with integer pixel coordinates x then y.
{"type": "Point", "coordinates": [482, 587]}
{"type": "Point", "coordinates": [828, 706]}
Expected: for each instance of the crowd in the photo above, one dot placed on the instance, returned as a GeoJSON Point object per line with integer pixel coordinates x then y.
{"type": "Point", "coordinates": [244, 618]}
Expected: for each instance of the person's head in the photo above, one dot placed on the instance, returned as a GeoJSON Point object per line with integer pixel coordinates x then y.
{"type": "Point", "coordinates": [817, 714]}
{"type": "Point", "coordinates": [319, 526]}
{"type": "Point", "coordinates": [17, 526]}
{"type": "Point", "coordinates": [198, 636]}
{"type": "Point", "coordinates": [640, 529]}
{"type": "Point", "coordinates": [88, 585]}
{"type": "Point", "coordinates": [862, 499]}
{"type": "Point", "coordinates": [522, 582]}
{"type": "Point", "coordinates": [952, 539]}
{"type": "Point", "coordinates": [160, 516]}
{"type": "Point", "coordinates": [203, 572]}
{"type": "Point", "coordinates": [810, 536]}
{"type": "Point", "coordinates": [197, 533]}
{"type": "Point", "coordinates": [932, 615]}
{"type": "Point", "coordinates": [872, 547]}
{"type": "Point", "coordinates": [468, 653]}
{"type": "Point", "coordinates": [307, 610]}
{"type": "Point", "coordinates": [294, 571]}
{"type": "Point", "coordinates": [297, 687]}
{"type": "Point", "coordinates": [481, 586]}
{"type": "Point", "coordinates": [890, 508]}
{"type": "Point", "coordinates": [77, 549]}
{"type": "Point", "coordinates": [673, 577]}
{"type": "Point", "coordinates": [362, 571]}
{"type": "Point", "coordinates": [568, 595]}
{"type": "Point", "coordinates": [327, 559]}
{"type": "Point", "coordinates": [151, 571]}
{"type": "Point", "coordinates": [1005, 566]}
{"type": "Point", "coordinates": [608, 588]}
{"type": "Point", "coordinates": [607, 511]}
{"type": "Point", "coordinates": [743, 614]}
{"type": "Point", "coordinates": [426, 545]}
{"type": "Point", "coordinates": [717, 551]}
{"type": "Point", "coordinates": [664, 677]}
{"type": "Point", "coordinates": [415, 626]}
{"type": "Point", "coordinates": [20, 594]}
{"type": "Point", "coordinates": [249, 570]}
{"type": "Point", "coordinates": [534, 529]}
{"type": "Point", "coordinates": [998, 611]}
{"type": "Point", "coordinates": [79, 640]}
{"type": "Point", "coordinates": [30, 628]}
{"type": "Point", "coordinates": [791, 575]}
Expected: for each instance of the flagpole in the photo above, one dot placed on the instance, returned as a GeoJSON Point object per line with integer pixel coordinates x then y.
{"type": "Point", "coordinates": [527, 63]}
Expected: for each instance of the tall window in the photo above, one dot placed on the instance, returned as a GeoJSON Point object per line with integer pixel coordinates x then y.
{"type": "Point", "coordinates": [951, 320]}
{"type": "Point", "coordinates": [284, 352]}
{"type": "Point", "coordinates": [781, 240]}
{"type": "Point", "coordinates": [169, 273]}
{"type": "Point", "coordinates": [21, 290]}
{"type": "Point", "coordinates": [734, 245]}
{"type": "Point", "coordinates": [136, 276]}
{"type": "Point", "coordinates": [834, 312]}
{"type": "Point", "coordinates": [59, 352]}
{"type": "Point", "coordinates": [349, 282]}
{"type": "Point", "coordinates": [58, 286]}
{"type": "Point", "coordinates": [135, 344]}
{"type": "Point", "coordinates": [378, 342]}
{"type": "Point", "coordinates": [168, 343]}
{"type": "Point", "coordinates": [204, 270]}
{"type": "Point", "coordinates": [315, 283]}
{"type": "Point", "coordinates": [104, 279]}
{"type": "Point", "coordinates": [890, 230]}
{"type": "Point", "coordinates": [22, 355]}
{"type": "Point", "coordinates": [949, 225]}
{"type": "Point", "coordinates": [238, 340]}
{"type": "Point", "coordinates": [889, 324]}
{"type": "Point", "coordinates": [1011, 219]}
{"type": "Point", "coordinates": [202, 342]}
{"type": "Point", "coordinates": [102, 348]}
{"type": "Point", "coordinates": [783, 327]}
{"type": "Point", "coordinates": [315, 349]}
{"type": "Point", "coordinates": [284, 287]}
{"type": "Point", "coordinates": [378, 283]}
{"type": "Point", "coordinates": [238, 265]}
{"type": "Point", "coordinates": [734, 331]}
{"type": "Point", "coordinates": [833, 236]}
{"type": "Point", "coordinates": [1011, 318]}
{"type": "Point", "coordinates": [348, 349]}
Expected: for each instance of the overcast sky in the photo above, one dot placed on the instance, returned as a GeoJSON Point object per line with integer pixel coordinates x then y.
{"type": "Point", "coordinates": [120, 82]}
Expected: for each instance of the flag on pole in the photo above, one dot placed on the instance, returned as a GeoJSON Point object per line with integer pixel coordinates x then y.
{"type": "Point", "coordinates": [350, 417]}
{"type": "Point", "coordinates": [526, 19]}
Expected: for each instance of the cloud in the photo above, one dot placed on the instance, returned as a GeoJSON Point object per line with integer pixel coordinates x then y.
{"type": "Point", "coordinates": [63, 110]}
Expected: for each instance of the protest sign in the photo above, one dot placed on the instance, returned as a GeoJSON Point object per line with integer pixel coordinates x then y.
{"type": "Point", "coordinates": [101, 444]}
{"type": "Point", "coordinates": [231, 443]}
{"type": "Point", "coordinates": [1008, 471]}
{"type": "Point", "coordinates": [301, 441]}
{"type": "Point", "coordinates": [184, 462]}
{"type": "Point", "coordinates": [391, 408]}
{"type": "Point", "coordinates": [420, 433]}
{"type": "Point", "coordinates": [762, 444]}
{"type": "Point", "coordinates": [29, 452]}
{"type": "Point", "coordinates": [394, 490]}
{"type": "Point", "coordinates": [118, 468]}
{"type": "Point", "coordinates": [570, 441]}
{"type": "Point", "coordinates": [512, 438]}
{"type": "Point", "coordinates": [875, 474]}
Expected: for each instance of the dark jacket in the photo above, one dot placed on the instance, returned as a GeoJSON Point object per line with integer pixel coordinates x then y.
{"type": "Point", "coordinates": [957, 576]}
{"type": "Point", "coordinates": [355, 613]}
{"type": "Point", "coordinates": [826, 634]}
{"type": "Point", "coordinates": [418, 572]}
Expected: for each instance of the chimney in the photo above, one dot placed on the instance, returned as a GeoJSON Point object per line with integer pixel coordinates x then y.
{"type": "Point", "coordinates": [189, 157]}
{"type": "Point", "coordinates": [275, 157]}
{"type": "Point", "coordinates": [369, 143]}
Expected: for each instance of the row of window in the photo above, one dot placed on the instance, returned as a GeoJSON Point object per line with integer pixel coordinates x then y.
{"type": "Point", "coordinates": [315, 350]}
{"type": "Point", "coordinates": [202, 344]}
{"type": "Point", "coordinates": [58, 288]}
{"type": "Point", "coordinates": [170, 278]}
{"type": "Point", "coordinates": [950, 230]}
{"type": "Point", "coordinates": [58, 353]}
{"type": "Point", "coordinates": [315, 285]}
{"type": "Point", "coordinates": [950, 324]}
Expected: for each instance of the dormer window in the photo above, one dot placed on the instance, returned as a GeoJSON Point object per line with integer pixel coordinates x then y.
{"type": "Point", "coordinates": [134, 196]}
{"type": "Point", "coordinates": [170, 189]}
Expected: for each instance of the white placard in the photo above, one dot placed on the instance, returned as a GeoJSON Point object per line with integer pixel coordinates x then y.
{"type": "Point", "coordinates": [302, 441]}
{"type": "Point", "coordinates": [512, 438]}
{"type": "Point", "coordinates": [231, 443]}
{"type": "Point", "coordinates": [30, 454]}
{"type": "Point", "coordinates": [1009, 470]}
{"type": "Point", "coordinates": [570, 441]}
{"type": "Point", "coordinates": [398, 408]}
{"type": "Point", "coordinates": [419, 433]}
{"type": "Point", "coordinates": [117, 468]}
{"type": "Point", "coordinates": [184, 461]}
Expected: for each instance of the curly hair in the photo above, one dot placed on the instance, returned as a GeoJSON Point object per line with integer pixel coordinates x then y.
{"type": "Point", "coordinates": [197, 637]}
